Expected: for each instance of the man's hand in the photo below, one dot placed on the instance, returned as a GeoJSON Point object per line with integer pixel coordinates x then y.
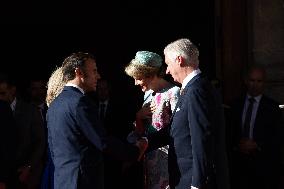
{"type": "Point", "coordinates": [24, 173]}
{"type": "Point", "coordinates": [247, 146]}
{"type": "Point", "coordinates": [139, 127]}
{"type": "Point", "coordinates": [142, 144]}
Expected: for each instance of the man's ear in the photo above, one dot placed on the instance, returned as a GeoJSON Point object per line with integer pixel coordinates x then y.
{"type": "Point", "coordinates": [78, 72]}
{"type": "Point", "coordinates": [180, 60]}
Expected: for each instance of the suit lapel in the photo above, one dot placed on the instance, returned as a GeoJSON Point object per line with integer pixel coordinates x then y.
{"type": "Point", "coordinates": [181, 97]}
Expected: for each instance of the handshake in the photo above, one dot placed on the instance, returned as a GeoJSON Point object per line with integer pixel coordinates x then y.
{"type": "Point", "coordinates": [142, 144]}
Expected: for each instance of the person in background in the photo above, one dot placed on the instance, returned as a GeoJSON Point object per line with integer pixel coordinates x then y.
{"type": "Point", "coordinates": [256, 125]}
{"type": "Point", "coordinates": [111, 111]}
{"type": "Point", "coordinates": [110, 107]}
{"type": "Point", "coordinates": [76, 138]}
{"type": "Point", "coordinates": [196, 135]}
{"type": "Point", "coordinates": [160, 98]}
{"type": "Point", "coordinates": [31, 139]}
{"type": "Point", "coordinates": [7, 145]}
{"type": "Point", "coordinates": [37, 95]}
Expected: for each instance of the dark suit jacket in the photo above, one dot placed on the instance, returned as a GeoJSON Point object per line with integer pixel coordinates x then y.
{"type": "Point", "coordinates": [8, 141]}
{"type": "Point", "coordinates": [117, 122]}
{"type": "Point", "coordinates": [267, 133]}
{"type": "Point", "coordinates": [196, 139]}
{"type": "Point", "coordinates": [118, 118]}
{"type": "Point", "coordinates": [77, 142]}
{"type": "Point", "coordinates": [31, 139]}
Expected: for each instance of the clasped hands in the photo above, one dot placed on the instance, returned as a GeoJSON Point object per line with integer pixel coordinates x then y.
{"type": "Point", "coordinates": [145, 112]}
{"type": "Point", "coordinates": [248, 146]}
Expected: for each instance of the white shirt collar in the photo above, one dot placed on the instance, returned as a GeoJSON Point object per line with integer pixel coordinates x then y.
{"type": "Point", "coordinates": [256, 98]}
{"type": "Point", "coordinates": [13, 104]}
{"type": "Point", "coordinates": [105, 102]}
{"type": "Point", "coordinates": [76, 86]}
{"type": "Point", "coordinates": [189, 77]}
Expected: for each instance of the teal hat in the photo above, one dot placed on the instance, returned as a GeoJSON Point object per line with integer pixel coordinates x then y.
{"type": "Point", "coordinates": [148, 58]}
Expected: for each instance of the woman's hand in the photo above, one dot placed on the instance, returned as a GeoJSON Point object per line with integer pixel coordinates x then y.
{"type": "Point", "coordinates": [24, 173]}
{"type": "Point", "coordinates": [145, 112]}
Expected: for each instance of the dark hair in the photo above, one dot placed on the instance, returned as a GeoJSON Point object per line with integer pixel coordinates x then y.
{"type": "Point", "coordinates": [75, 60]}
{"type": "Point", "coordinates": [5, 78]}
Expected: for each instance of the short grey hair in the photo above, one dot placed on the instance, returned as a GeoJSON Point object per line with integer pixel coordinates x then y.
{"type": "Point", "coordinates": [183, 47]}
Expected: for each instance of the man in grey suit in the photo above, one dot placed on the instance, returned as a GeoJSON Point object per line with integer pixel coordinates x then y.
{"type": "Point", "coordinates": [196, 136]}
{"type": "Point", "coordinates": [76, 137]}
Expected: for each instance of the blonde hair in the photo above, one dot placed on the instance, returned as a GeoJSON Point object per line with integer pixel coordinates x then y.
{"type": "Point", "coordinates": [55, 85]}
{"type": "Point", "coordinates": [140, 71]}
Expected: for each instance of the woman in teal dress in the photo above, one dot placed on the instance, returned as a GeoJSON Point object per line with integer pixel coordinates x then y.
{"type": "Point", "coordinates": [160, 98]}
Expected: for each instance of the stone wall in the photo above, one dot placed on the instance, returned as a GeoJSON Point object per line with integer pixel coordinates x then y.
{"type": "Point", "coordinates": [266, 38]}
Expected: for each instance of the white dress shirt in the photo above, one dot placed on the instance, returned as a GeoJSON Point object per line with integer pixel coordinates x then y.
{"type": "Point", "coordinates": [76, 86]}
{"type": "Point", "coordinates": [189, 77]}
